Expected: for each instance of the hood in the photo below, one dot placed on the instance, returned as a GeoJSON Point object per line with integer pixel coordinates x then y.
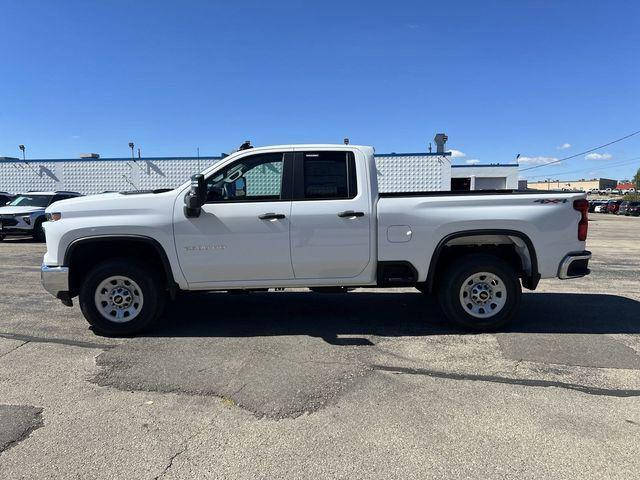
{"type": "Point", "coordinates": [16, 210]}
{"type": "Point", "coordinates": [114, 204]}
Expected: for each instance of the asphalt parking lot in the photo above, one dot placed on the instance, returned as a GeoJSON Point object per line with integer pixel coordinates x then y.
{"type": "Point", "coordinates": [301, 385]}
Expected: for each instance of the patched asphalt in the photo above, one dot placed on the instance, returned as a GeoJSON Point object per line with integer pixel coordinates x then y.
{"type": "Point", "coordinates": [585, 350]}
{"type": "Point", "coordinates": [17, 422]}
{"type": "Point", "coordinates": [275, 377]}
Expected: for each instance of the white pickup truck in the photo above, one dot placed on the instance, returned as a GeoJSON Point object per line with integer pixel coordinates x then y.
{"type": "Point", "coordinates": [308, 216]}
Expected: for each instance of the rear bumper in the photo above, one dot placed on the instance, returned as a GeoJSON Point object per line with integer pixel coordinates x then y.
{"type": "Point", "coordinates": [574, 265]}
{"type": "Point", "coordinates": [55, 280]}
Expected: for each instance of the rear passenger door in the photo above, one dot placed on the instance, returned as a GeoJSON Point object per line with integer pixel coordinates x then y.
{"type": "Point", "coordinates": [330, 216]}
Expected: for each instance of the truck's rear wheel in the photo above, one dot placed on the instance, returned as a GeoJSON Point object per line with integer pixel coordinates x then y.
{"type": "Point", "coordinates": [121, 297]}
{"type": "Point", "coordinates": [480, 292]}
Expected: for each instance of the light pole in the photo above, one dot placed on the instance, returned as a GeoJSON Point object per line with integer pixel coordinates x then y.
{"type": "Point", "coordinates": [131, 145]}
{"type": "Point", "coordinates": [22, 148]}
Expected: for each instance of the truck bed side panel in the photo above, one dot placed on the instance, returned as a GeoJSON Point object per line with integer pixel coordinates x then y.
{"type": "Point", "coordinates": [548, 220]}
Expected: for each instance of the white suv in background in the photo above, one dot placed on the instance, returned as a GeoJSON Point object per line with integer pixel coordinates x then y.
{"type": "Point", "coordinates": [24, 215]}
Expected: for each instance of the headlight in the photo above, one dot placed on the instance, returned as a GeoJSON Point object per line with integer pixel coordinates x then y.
{"type": "Point", "coordinates": [25, 217]}
{"type": "Point", "coordinates": [53, 216]}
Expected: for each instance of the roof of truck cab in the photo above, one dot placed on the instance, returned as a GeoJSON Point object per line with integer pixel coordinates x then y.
{"type": "Point", "coordinates": [307, 145]}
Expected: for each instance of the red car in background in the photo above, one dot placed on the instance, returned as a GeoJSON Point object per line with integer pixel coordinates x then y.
{"type": "Point", "coordinates": [613, 206]}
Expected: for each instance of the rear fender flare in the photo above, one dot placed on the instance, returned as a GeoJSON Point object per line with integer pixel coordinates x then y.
{"type": "Point", "coordinates": [530, 281]}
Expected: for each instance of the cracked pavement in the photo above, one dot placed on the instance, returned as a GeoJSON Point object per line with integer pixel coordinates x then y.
{"type": "Point", "coordinates": [294, 384]}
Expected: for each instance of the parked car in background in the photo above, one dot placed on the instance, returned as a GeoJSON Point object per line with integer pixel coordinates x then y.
{"type": "Point", "coordinates": [5, 197]}
{"type": "Point", "coordinates": [593, 204]}
{"type": "Point", "coordinates": [601, 208]}
{"type": "Point", "coordinates": [24, 215]}
{"type": "Point", "coordinates": [633, 209]}
{"type": "Point", "coordinates": [622, 209]}
{"type": "Point", "coordinates": [613, 206]}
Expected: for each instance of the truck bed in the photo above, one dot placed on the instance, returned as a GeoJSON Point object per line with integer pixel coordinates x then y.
{"type": "Point", "coordinates": [411, 224]}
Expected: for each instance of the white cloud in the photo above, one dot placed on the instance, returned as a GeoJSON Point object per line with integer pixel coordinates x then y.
{"type": "Point", "coordinates": [536, 160]}
{"type": "Point", "coordinates": [472, 161]}
{"type": "Point", "coordinates": [457, 154]}
{"type": "Point", "coordinates": [564, 146]}
{"type": "Point", "coordinates": [599, 156]}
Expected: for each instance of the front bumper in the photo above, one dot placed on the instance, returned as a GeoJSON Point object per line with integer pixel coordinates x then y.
{"type": "Point", "coordinates": [15, 230]}
{"type": "Point", "coordinates": [55, 280]}
{"type": "Point", "coordinates": [574, 265]}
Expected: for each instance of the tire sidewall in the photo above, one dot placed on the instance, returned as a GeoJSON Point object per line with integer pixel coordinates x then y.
{"type": "Point", "coordinates": [153, 297]}
{"type": "Point", "coordinates": [460, 271]}
{"type": "Point", "coordinates": [38, 230]}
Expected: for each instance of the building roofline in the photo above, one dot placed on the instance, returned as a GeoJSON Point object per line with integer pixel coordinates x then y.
{"type": "Point", "coordinates": [487, 165]}
{"type": "Point", "coordinates": [123, 159]}
{"type": "Point", "coordinates": [413, 154]}
{"type": "Point", "coordinates": [203, 157]}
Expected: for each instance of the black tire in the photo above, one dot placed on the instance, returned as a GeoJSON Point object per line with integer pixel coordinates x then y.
{"type": "Point", "coordinates": [153, 297]}
{"type": "Point", "coordinates": [450, 292]}
{"type": "Point", "coordinates": [38, 231]}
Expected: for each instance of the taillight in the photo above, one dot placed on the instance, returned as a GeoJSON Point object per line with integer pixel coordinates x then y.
{"type": "Point", "coordinates": [582, 206]}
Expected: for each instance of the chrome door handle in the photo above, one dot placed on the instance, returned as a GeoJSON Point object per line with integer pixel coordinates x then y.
{"type": "Point", "coordinates": [271, 216]}
{"type": "Point", "coordinates": [350, 213]}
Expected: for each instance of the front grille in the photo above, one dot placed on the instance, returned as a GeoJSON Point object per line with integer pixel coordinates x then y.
{"type": "Point", "coordinates": [8, 221]}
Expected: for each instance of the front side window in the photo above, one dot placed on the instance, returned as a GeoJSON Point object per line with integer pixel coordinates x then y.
{"type": "Point", "coordinates": [254, 178]}
{"type": "Point", "coordinates": [31, 201]}
{"type": "Point", "coordinates": [329, 175]}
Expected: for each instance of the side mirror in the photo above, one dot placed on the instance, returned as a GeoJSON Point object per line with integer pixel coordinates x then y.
{"type": "Point", "coordinates": [196, 197]}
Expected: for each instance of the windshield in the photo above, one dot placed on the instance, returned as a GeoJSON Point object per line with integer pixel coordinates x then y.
{"type": "Point", "coordinates": [31, 201]}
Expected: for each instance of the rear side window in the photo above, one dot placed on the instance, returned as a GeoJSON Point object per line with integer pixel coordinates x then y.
{"type": "Point", "coordinates": [329, 175]}
{"type": "Point", "coordinates": [58, 198]}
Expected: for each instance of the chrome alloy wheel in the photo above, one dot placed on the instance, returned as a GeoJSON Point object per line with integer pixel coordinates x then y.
{"type": "Point", "coordinates": [119, 299]}
{"type": "Point", "coordinates": [483, 295]}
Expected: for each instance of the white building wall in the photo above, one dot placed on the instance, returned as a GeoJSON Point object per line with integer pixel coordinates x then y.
{"type": "Point", "coordinates": [413, 172]}
{"type": "Point", "coordinates": [396, 173]}
{"type": "Point", "coordinates": [99, 175]}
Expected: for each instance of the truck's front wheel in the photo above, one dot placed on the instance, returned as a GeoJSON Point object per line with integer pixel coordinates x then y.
{"type": "Point", "coordinates": [480, 292]}
{"type": "Point", "coordinates": [121, 297]}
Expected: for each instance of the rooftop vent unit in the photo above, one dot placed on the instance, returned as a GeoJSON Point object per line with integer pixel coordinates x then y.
{"type": "Point", "coordinates": [89, 155]}
{"type": "Point", "coordinates": [441, 140]}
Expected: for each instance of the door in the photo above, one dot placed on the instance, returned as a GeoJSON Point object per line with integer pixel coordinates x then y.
{"type": "Point", "coordinates": [242, 233]}
{"type": "Point", "coordinates": [460, 184]}
{"type": "Point", "coordinates": [491, 183]}
{"type": "Point", "coordinates": [330, 216]}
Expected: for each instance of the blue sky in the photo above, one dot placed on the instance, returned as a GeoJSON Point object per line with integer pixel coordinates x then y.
{"type": "Point", "coordinates": [500, 78]}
